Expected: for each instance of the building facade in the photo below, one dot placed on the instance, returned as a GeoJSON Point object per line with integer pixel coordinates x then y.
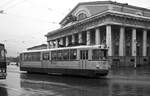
{"type": "Point", "coordinates": [124, 28]}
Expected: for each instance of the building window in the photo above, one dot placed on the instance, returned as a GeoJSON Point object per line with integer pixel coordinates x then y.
{"type": "Point", "coordinates": [148, 51]}
{"type": "Point", "coordinates": [128, 51]}
{"type": "Point", "coordinates": [116, 50]}
{"type": "Point", "coordinates": [128, 38]}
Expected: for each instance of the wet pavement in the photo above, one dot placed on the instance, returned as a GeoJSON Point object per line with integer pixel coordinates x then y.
{"type": "Point", "coordinates": [119, 82]}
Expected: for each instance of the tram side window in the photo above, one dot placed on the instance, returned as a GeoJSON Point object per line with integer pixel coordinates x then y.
{"type": "Point", "coordinates": [36, 56]}
{"type": "Point", "coordinates": [105, 54]}
{"type": "Point", "coordinates": [26, 57]}
{"type": "Point", "coordinates": [86, 52]}
{"type": "Point", "coordinates": [32, 56]}
{"type": "Point", "coordinates": [65, 55]}
{"type": "Point", "coordinates": [73, 54]}
{"type": "Point", "coordinates": [1, 53]}
{"type": "Point", "coordinates": [20, 57]}
{"type": "Point", "coordinates": [99, 54]}
{"type": "Point", "coordinates": [59, 55]}
{"type": "Point", "coordinates": [45, 56]}
{"type": "Point", "coordinates": [54, 55]}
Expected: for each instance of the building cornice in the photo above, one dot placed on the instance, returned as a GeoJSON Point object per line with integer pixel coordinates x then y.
{"type": "Point", "coordinates": [100, 15]}
{"type": "Point", "coordinates": [77, 23]}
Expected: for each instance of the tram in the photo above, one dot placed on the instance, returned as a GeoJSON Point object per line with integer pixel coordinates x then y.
{"type": "Point", "coordinates": [78, 60]}
{"type": "Point", "coordinates": [3, 68]}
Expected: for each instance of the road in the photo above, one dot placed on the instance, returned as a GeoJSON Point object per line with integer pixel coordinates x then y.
{"type": "Point", "coordinates": [121, 82]}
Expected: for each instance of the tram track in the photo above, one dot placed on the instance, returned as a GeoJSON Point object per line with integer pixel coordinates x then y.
{"type": "Point", "coordinates": [110, 77]}
{"type": "Point", "coordinates": [140, 79]}
{"type": "Point", "coordinates": [45, 85]}
{"type": "Point", "coordinates": [25, 91]}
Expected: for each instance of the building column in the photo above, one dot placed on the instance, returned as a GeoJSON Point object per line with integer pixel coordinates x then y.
{"type": "Point", "coordinates": [57, 43]}
{"type": "Point", "coordinates": [61, 41]}
{"type": "Point", "coordinates": [97, 36]}
{"type": "Point", "coordinates": [88, 39]}
{"type": "Point", "coordinates": [73, 38]}
{"type": "Point", "coordinates": [144, 42]}
{"type": "Point", "coordinates": [122, 42]}
{"type": "Point", "coordinates": [109, 39]}
{"type": "Point", "coordinates": [80, 37]}
{"type": "Point", "coordinates": [53, 44]}
{"type": "Point", "coordinates": [134, 42]}
{"type": "Point", "coordinates": [48, 45]}
{"type": "Point", "coordinates": [67, 40]}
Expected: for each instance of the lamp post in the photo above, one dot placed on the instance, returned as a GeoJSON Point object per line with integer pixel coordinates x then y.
{"type": "Point", "coordinates": [135, 62]}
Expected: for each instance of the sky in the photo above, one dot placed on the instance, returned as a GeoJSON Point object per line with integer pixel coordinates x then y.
{"type": "Point", "coordinates": [24, 23]}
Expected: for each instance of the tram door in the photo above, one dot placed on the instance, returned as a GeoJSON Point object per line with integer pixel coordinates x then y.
{"type": "Point", "coordinates": [45, 61]}
{"type": "Point", "coordinates": [83, 58]}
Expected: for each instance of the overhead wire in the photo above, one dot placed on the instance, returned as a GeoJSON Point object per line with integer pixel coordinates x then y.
{"type": "Point", "coordinates": [4, 10]}
{"type": "Point", "coordinates": [6, 3]}
{"type": "Point", "coordinates": [10, 4]}
{"type": "Point", "coordinates": [49, 9]}
{"type": "Point", "coordinates": [14, 4]}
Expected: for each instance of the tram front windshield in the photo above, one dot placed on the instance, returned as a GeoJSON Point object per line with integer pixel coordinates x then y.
{"type": "Point", "coordinates": [99, 54]}
{"type": "Point", "coordinates": [2, 53]}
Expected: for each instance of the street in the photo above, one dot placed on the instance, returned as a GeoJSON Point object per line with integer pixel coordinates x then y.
{"type": "Point", "coordinates": [121, 82]}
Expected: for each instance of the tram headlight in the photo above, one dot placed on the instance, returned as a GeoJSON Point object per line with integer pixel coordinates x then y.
{"type": "Point", "coordinates": [98, 66]}
{"type": "Point", "coordinates": [3, 71]}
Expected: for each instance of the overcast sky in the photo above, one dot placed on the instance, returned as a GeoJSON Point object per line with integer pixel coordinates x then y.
{"type": "Point", "coordinates": [25, 22]}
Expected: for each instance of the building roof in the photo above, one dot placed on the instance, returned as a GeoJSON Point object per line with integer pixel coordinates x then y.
{"type": "Point", "coordinates": [74, 47]}
{"type": "Point", "coordinates": [1, 44]}
{"type": "Point", "coordinates": [102, 2]}
{"type": "Point", "coordinates": [42, 45]}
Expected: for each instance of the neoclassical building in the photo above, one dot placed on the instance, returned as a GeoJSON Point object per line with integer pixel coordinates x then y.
{"type": "Point", "coordinates": [124, 28]}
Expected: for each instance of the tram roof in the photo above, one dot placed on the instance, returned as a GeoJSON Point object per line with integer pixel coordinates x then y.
{"type": "Point", "coordinates": [1, 44]}
{"type": "Point", "coordinates": [74, 47]}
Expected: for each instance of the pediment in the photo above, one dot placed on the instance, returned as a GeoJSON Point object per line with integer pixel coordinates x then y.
{"type": "Point", "coordinates": [84, 10]}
